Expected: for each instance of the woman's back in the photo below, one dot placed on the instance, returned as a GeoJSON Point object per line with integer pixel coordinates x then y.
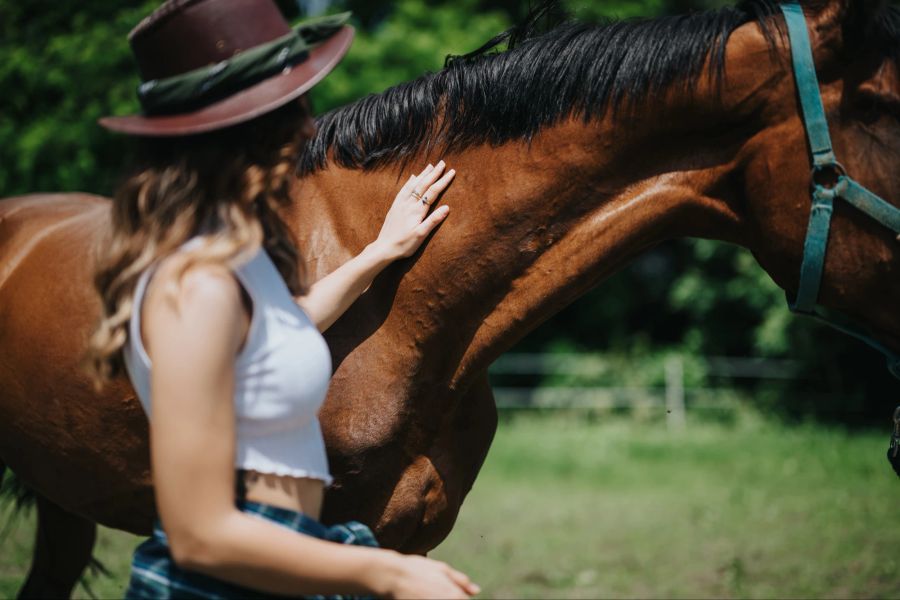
{"type": "Point", "coordinates": [281, 374]}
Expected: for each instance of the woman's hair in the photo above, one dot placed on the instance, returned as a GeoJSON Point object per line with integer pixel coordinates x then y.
{"type": "Point", "coordinates": [227, 184]}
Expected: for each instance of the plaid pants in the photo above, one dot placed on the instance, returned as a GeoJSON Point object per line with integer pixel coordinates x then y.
{"type": "Point", "coordinates": [155, 575]}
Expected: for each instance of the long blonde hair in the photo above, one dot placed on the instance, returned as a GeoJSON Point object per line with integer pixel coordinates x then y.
{"type": "Point", "coordinates": [228, 183]}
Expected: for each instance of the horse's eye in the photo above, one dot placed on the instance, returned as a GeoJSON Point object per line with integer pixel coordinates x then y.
{"type": "Point", "coordinates": [866, 108]}
{"type": "Point", "coordinates": [869, 108]}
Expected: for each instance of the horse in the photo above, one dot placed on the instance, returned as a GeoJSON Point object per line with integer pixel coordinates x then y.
{"type": "Point", "coordinates": [575, 151]}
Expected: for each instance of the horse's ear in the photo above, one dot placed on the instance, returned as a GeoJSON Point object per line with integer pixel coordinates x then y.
{"type": "Point", "coordinates": [844, 28]}
{"type": "Point", "coordinates": [837, 25]}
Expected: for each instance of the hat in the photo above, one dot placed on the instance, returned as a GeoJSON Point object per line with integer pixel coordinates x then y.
{"type": "Point", "coordinates": [209, 64]}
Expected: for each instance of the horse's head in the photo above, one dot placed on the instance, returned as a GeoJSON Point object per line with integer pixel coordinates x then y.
{"type": "Point", "coordinates": [856, 45]}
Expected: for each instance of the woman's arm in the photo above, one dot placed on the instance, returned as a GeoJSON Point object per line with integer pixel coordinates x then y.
{"type": "Point", "coordinates": [192, 333]}
{"type": "Point", "coordinates": [405, 228]}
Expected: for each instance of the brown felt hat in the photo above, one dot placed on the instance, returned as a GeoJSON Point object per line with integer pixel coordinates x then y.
{"type": "Point", "coordinates": [209, 64]}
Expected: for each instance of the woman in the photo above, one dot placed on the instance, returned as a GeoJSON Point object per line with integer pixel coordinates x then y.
{"type": "Point", "coordinates": [205, 306]}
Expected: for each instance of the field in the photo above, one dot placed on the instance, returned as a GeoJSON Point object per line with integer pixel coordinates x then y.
{"type": "Point", "coordinates": [572, 508]}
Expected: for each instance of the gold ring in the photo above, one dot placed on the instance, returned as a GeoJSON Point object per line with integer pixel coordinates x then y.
{"type": "Point", "coordinates": [416, 194]}
{"type": "Point", "coordinates": [424, 200]}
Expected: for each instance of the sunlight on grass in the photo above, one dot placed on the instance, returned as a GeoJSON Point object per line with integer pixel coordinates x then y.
{"type": "Point", "coordinates": [565, 508]}
{"type": "Point", "coordinates": [577, 508]}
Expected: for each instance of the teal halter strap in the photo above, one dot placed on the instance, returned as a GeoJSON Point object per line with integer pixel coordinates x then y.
{"type": "Point", "coordinates": [845, 188]}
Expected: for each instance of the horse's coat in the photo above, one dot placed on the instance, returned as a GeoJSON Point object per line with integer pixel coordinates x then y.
{"type": "Point", "coordinates": [533, 225]}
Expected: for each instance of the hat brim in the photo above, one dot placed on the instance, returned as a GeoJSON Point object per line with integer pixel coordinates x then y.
{"type": "Point", "coordinates": [247, 104]}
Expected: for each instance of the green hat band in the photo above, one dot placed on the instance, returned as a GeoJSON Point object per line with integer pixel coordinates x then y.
{"type": "Point", "coordinates": [200, 87]}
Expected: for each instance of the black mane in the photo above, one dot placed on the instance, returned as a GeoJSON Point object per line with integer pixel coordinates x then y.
{"type": "Point", "coordinates": [574, 69]}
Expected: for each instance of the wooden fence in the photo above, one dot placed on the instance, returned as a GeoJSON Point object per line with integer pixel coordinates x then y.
{"type": "Point", "coordinates": [672, 395]}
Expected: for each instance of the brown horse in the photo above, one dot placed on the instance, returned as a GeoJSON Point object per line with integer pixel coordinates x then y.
{"type": "Point", "coordinates": [575, 151]}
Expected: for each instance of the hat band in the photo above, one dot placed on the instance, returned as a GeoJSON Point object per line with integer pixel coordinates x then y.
{"type": "Point", "coordinates": [200, 87]}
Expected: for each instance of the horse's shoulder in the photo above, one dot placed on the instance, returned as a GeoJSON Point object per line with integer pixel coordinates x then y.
{"type": "Point", "coordinates": [49, 227]}
{"type": "Point", "coordinates": [37, 215]}
{"type": "Point", "coordinates": [42, 203]}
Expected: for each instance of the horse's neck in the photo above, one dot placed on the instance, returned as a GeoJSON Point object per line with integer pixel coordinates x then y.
{"type": "Point", "coordinates": [534, 226]}
{"type": "Point", "coordinates": [530, 229]}
{"type": "Point", "coordinates": [546, 245]}
{"type": "Point", "coordinates": [670, 172]}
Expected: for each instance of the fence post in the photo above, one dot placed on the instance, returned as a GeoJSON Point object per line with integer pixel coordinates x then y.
{"type": "Point", "coordinates": [675, 419]}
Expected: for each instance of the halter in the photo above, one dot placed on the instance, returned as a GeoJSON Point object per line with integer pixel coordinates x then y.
{"type": "Point", "coordinates": [837, 185]}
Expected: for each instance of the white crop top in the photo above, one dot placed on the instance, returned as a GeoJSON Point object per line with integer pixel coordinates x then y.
{"type": "Point", "coordinates": [281, 375]}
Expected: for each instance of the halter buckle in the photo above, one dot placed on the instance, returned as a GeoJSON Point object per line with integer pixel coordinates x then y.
{"type": "Point", "coordinates": [828, 175]}
{"type": "Point", "coordinates": [829, 180]}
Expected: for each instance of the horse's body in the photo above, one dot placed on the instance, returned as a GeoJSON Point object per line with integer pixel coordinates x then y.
{"type": "Point", "coordinates": [410, 416]}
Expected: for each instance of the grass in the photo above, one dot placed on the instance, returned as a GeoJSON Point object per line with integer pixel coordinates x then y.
{"type": "Point", "coordinates": [576, 508]}
{"type": "Point", "coordinates": [113, 548]}
{"type": "Point", "coordinates": [566, 508]}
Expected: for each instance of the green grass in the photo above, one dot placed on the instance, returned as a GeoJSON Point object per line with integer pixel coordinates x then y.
{"type": "Point", "coordinates": [113, 548]}
{"type": "Point", "coordinates": [565, 508]}
{"type": "Point", "coordinates": [569, 508]}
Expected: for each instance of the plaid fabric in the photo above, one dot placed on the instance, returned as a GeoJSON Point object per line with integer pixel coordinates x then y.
{"type": "Point", "coordinates": [155, 575]}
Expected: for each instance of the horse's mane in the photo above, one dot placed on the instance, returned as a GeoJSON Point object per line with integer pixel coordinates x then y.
{"type": "Point", "coordinates": [575, 68]}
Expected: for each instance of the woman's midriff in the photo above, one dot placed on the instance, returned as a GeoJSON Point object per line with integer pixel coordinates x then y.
{"type": "Point", "coordinates": [301, 494]}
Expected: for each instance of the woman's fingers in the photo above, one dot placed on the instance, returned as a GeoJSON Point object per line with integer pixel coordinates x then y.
{"type": "Point", "coordinates": [463, 581]}
{"type": "Point", "coordinates": [408, 186]}
{"type": "Point", "coordinates": [439, 214]}
{"type": "Point", "coordinates": [428, 177]}
{"type": "Point", "coordinates": [417, 184]}
{"type": "Point", "coordinates": [438, 186]}
{"type": "Point", "coordinates": [408, 221]}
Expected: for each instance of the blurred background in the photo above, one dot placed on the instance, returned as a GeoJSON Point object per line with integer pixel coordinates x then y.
{"type": "Point", "coordinates": [675, 432]}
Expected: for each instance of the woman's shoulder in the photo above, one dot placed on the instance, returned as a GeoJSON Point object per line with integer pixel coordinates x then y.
{"type": "Point", "coordinates": [197, 298]}
{"type": "Point", "coordinates": [192, 271]}
{"type": "Point", "coordinates": [184, 284]}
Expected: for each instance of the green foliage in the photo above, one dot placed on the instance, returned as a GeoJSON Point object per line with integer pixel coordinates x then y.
{"type": "Point", "coordinates": [62, 66]}
{"type": "Point", "coordinates": [622, 9]}
{"type": "Point", "coordinates": [413, 40]}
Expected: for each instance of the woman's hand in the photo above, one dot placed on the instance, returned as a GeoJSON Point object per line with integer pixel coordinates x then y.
{"type": "Point", "coordinates": [406, 226]}
{"type": "Point", "coordinates": [420, 577]}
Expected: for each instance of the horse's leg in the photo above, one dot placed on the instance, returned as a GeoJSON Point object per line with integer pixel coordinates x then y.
{"type": "Point", "coordinates": [62, 550]}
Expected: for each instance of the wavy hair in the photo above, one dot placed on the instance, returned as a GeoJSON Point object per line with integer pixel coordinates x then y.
{"type": "Point", "coordinates": [226, 185]}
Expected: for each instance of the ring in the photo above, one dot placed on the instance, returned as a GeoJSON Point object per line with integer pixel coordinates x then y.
{"type": "Point", "coordinates": [416, 194]}
{"type": "Point", "coordinates": [424, 200]}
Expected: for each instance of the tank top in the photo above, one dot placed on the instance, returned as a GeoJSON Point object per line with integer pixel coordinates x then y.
{"type": "Point", "coordinates": [281, 375]}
